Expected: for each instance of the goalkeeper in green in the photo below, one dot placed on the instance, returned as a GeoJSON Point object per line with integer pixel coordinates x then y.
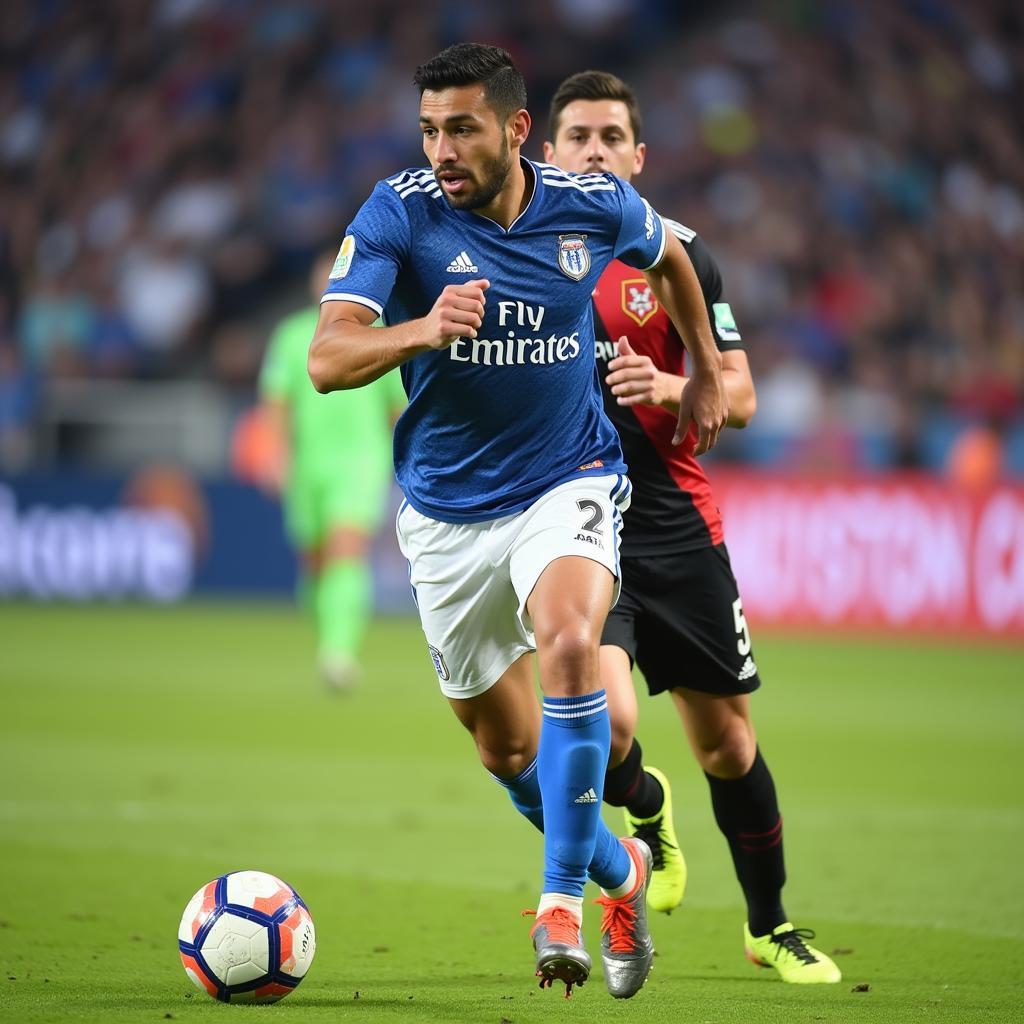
{"type": "Point", "coordinates": [332, 465]}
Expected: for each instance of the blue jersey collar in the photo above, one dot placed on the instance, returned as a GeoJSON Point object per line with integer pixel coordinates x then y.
{"type": "Point", "coordinates": [533, 174]}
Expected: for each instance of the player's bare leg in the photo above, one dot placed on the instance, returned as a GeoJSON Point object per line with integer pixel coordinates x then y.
{"type": "Point", "coordinates": [720, 731]}
{"type": "Point", "coordinates": [568, 607]}
{"type": "Point", "coordinates": [617, 678]}
{"type": "Point", "coordinates": [724, 742]}
{"type": "Point", "coordinates": [504, 720]}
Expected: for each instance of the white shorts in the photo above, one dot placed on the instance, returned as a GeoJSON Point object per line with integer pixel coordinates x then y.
{"type": "Point", "coordinates": [471, 581]}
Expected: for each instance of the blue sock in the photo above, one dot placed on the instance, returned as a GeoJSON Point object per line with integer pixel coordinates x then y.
{"type": "Point", "coordinates": [575, 738]}
{"type": "Point", "coordinates": [610, 864]}
{"type": "Point", "coordinates": [525, 793]}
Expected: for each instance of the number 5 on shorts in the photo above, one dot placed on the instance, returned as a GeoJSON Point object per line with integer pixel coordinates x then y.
{"type": "Point", "coordinates": [742, 632]}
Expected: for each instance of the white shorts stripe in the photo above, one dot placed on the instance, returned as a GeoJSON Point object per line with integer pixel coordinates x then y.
{"type": "Point", "coordinates": [620, 488]}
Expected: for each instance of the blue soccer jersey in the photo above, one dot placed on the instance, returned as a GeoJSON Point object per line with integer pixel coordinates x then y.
{"type": "Point", "coordinates": [494, 422]}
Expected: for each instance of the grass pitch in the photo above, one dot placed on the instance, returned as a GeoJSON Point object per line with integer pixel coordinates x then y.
{"type": "Point", "coordinates": [145, 751]}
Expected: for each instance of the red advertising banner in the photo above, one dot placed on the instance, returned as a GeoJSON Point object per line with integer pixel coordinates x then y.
{"type": "Point", "coordinates": [894, 552]}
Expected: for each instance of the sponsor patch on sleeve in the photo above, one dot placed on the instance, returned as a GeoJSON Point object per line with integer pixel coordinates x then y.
{"type": "Point", "coordinates": [344, 261]}
{"type": "Point", "coordinates": [725, 324]}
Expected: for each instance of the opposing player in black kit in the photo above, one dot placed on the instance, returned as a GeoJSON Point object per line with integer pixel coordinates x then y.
{"type": "Point", "coordinates": [680, 616]}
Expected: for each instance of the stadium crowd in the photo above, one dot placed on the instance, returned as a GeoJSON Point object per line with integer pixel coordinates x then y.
{"type": "Point", "coordinates": [168, 169]}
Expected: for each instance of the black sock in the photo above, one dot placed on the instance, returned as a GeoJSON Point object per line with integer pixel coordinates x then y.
{"type": "Point", "coordinates": [747, 813]}
{"type": "Point", "coordinates": [628, 785]}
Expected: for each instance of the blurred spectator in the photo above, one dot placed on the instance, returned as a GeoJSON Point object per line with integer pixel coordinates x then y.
{"type": "Point", "coordinates": [236, 356]}
{"type": "Point", "coordinates": [55, 325]}
{"type": "Point", "coordinates": [113, 348]}
{"type": "Point", "coordinates": [164, 293]}
{"type": "Point", "coordinates": [18, 396]}
{"type": "Point", "coordinates": [167, 168]}
{"type": "Point", "coordinates": [303, 196]}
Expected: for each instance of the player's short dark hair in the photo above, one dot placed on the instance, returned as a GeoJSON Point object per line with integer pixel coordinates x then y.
{"type": "Point", "coordinates": [595, 85]}
{"type": "Point", "coordinates": [469, 63]}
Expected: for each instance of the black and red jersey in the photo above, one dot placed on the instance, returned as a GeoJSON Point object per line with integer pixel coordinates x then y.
{"type": "Point", "coordinates": [673, 508]}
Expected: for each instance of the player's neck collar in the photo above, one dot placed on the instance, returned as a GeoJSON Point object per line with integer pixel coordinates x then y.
{"type": "Point", "coordinates": [534, 186]}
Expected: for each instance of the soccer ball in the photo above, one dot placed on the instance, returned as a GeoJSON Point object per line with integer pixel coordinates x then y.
{"type": "Point", "coordinates": [246, 937]}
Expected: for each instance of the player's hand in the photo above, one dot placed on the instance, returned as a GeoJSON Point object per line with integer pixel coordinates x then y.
{"type": "Point", "coordinates": [705, 402]}
{"type": "Point", "coordinates": [634, 379]}
{"type": "Point", "coordinates": [457, 313]}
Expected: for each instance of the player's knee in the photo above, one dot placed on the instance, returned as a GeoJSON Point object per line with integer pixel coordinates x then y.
{"type": "Point", "coordinates": [506, 759]}
{"type": "Point", "coordinates": [729, 753]}
{"type": "Point", "coordinates": [569, 653]}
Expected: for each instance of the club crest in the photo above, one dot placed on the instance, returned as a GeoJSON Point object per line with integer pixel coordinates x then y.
{"type": "Point", "coordinates": [638, 302]}
{"type": "Point", "coordinates": [573, 256]}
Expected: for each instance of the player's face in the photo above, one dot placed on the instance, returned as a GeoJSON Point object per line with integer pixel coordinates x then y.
{"type": "Point", "coordinates": [467, 146]}
{"type": "Point", "coordinates": [595, 135]}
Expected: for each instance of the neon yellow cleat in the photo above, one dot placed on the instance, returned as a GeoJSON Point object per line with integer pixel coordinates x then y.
{"type": "Point", "coordinates": [668, 880]}
{"type": "Point", "coordinates": [787, 951]}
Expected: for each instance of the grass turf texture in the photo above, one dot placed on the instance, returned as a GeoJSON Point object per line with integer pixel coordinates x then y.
{"type": "Point", "coordinates": [145, 751]}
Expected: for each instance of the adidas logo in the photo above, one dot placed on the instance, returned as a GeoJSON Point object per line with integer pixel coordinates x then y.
{"type": "Point", "coordinates": [749, 669]}
{"type": "Point", "coordinates": [590, 797]}
{"type": "Point", "coordinates": [462, 264]}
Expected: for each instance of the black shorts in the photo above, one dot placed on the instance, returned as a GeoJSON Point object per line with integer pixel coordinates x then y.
{"type": "Point", "coordinates": [680, 619]}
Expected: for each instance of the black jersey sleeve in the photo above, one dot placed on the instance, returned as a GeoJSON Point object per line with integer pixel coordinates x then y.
{"type": "Point", "coordinates": [727, 334]}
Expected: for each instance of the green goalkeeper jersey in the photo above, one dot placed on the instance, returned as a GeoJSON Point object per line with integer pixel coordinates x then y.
{"type": "Point", "coordinates": [328, 433]}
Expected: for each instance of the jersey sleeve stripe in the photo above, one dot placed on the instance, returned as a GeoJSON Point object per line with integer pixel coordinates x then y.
{"type": "Point", "coordinates": [585, 179]}
{"type": "Point", "coordinates": [552, 171]}
{"type": "Point", "coordinates": [362, 300]}
{"type": "Point", "coordinates": [681, 231]}
{"type": "Point", "coordinates": [407, 190]}
{"type": "Point", "coordinates": [559, 183]}
{"type": "Point", "coordinates": [408, 182]}
{"type": "Point", "coordinates": [661, 249]}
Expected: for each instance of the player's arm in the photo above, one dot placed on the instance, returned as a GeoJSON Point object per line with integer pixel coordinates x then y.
{"type": "Point", "coordinates": [635, 380]}
{"type": "Point", "coordinates": [348, 352]}
{"type": "Point", "coordinates": [703, 398]}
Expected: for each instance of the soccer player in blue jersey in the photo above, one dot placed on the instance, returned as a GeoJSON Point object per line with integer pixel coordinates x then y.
{"type": "Point", "coordinates": [482, 266]}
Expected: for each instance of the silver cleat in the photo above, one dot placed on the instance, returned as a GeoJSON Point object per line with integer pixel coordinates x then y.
{"type": "Point", "coordinates": [627, 950]}
{"type": "Point", "coordinates": [560, 954]}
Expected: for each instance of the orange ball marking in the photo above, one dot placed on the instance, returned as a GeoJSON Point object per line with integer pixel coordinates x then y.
{"type": "Point", "coordinates": [209, 903]}
{"type": "Point", "coordinates": [193, 968]}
